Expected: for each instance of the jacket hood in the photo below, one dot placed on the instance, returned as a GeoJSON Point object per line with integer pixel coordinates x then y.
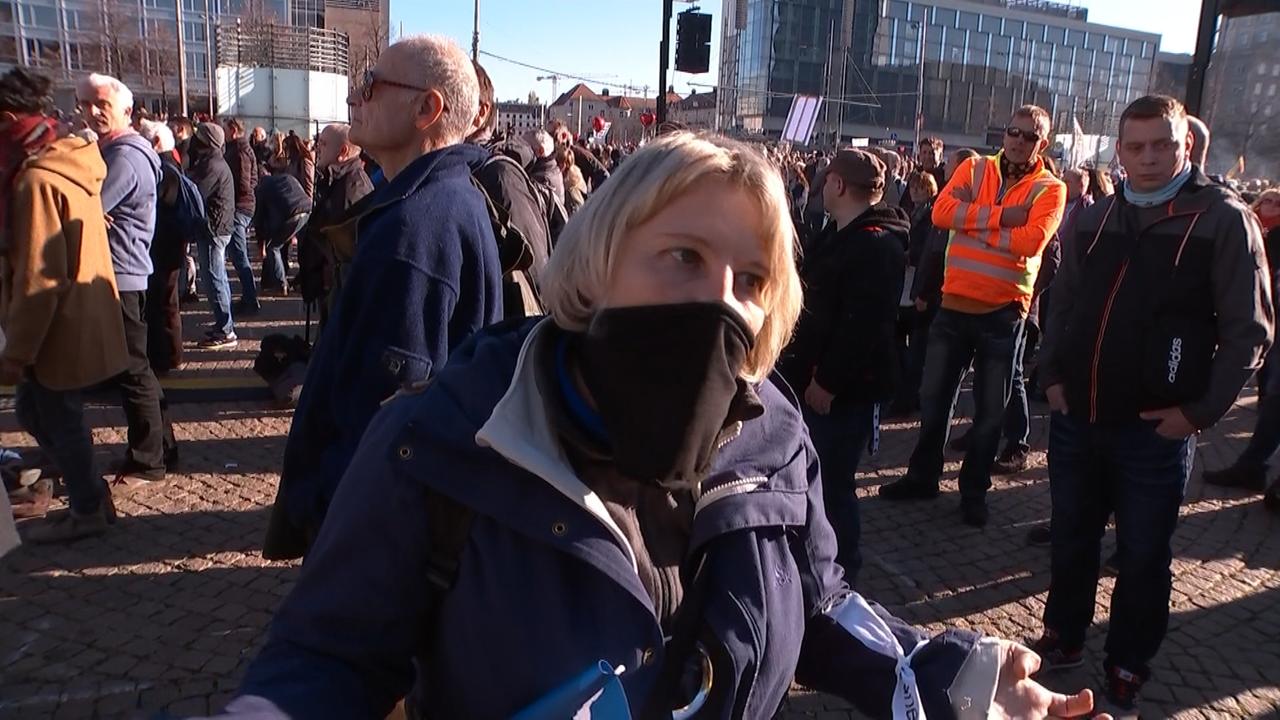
{"type": "Point", "coordinates": [139, 143]}
{"type": "Point", "coordinates": [514, 148]}
{"type": "Point", "coordinates": [76, 159]}
{"type": "Point", "coordinates": [343, 169]}
{"type": "Point", "coordinates": [886, 217]}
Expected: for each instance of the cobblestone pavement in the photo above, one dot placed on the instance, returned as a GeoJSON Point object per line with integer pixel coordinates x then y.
{"type": "Point", "coordinates": [164, 612]}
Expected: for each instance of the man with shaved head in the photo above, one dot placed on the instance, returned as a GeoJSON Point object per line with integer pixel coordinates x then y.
{"type": "Point", "coordinates": [418, 266]}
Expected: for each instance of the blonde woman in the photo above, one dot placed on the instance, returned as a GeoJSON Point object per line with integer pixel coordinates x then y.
{"type": "Point", "coordinates": [575, 185]}
{"type": "Point", "coordinates": [621, 486]}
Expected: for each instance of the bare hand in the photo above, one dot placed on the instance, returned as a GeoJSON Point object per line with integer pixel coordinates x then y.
{"type": "Point", "coordinates": [109, 220]}
{"type": "Point", "coordinates": [921, 305]}
{"type": "Point", "coordinates": [1173, 424]}
{"type": "Point", "coordinates": [1015, 216]}
{"type": "Point", "coordinates": [963, 194]}
{"type": "Point", "coordinates": [1018, 696]}
{"type": "Point", "coordinates": [1057, 398]}
{"type": "Point", "coordinates": [818, 399]}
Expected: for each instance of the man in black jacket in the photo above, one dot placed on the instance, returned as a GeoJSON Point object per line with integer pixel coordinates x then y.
{"type": "Point", "coordinates": [243, 164]}
{"type": "Point", "coordinates": [842, 358]}
{"type": "Point", "coordinates": [211, 174]}
{"type": "Point", "coordinates": [341, 182]}
{"type": "Point", "coordinates": [1161, 312]}
{"type": "Point", "coordinates": [283, 208]}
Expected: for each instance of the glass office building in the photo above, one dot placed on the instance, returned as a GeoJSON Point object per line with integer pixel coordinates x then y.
{"type": "Point", "coordinates": [982, 59]}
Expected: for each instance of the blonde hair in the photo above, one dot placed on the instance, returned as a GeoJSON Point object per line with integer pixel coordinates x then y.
{"type": "Point", "coordinates": [1270, 192]}
{"type": "Point", "coordinates": [573, 178]}
{"type": "Point", "coordinates": [578, 272]}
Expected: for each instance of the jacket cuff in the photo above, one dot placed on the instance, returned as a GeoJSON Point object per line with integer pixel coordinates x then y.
{"type": "Point", "coordinates": [974, 688]}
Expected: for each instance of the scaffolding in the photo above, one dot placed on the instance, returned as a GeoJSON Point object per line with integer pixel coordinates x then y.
{"type": "Point", "coordinates": [284, 47]}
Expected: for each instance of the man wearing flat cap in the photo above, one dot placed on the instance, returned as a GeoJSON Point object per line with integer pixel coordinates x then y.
{"type": "Point", "coordinates": [842, 360]}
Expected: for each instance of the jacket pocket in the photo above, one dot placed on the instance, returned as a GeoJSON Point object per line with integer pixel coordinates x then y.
{"type": "Point", "coordinates": [1177, 359]}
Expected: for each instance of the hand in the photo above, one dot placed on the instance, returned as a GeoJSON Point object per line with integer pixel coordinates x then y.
{"type": "Point", "coordinates": [1015, 216]}
{"type": "Point", "coordinates": [10, 372]}
{"type": "Point", "coordinates": [921, 305]}
{"type": "Point", "coordinates": [109, 220]}
{"type": "Point", "coordinates": [818, 399]}
{"type": "Point", "coordinates": [1057, 398]}
{"type": "Point", "coordinates": [963, 194]}
{"type": "Point", "coordinates": [1018, 696]}
{"type": "Point", "coordinates": [1173, 424]}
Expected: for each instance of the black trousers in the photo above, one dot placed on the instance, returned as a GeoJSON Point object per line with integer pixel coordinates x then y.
{"type": "Point", "coordinates": [145, 409]}
{"type": "Point", "coordinates": [164, 320]}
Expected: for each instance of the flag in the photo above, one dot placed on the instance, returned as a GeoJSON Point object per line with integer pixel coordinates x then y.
{"type": "Point", "coordinates": [1237, 170]}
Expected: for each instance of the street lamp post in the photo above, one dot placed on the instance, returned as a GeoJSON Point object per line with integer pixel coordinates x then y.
{"type": "Point", "coordinates": [920, 84]}
{"type": "Point", "coordinates": [475, 36]}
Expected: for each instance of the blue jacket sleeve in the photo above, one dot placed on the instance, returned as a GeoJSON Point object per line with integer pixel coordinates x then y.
{"type": "Point", "coordinates": [341, 643]}
{"type": "Point", "coordinates": [840, 654]}
{"type": "Point", "coordinates": [120, 182]}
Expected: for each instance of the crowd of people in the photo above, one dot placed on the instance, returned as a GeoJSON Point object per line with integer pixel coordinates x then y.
{"type": "Point", "coordinates": [633, 386]}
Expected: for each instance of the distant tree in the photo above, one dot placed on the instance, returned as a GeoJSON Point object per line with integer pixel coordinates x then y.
{"type": "Point", "coordinates": [534, 99]}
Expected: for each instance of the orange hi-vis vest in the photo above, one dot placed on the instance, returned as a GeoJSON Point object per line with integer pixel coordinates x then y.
{"type": "Point", "coordinates": [986, 263]}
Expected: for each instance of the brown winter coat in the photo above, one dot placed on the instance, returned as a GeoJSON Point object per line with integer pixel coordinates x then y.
{"type": "Point", "coordinates": [59, 305]}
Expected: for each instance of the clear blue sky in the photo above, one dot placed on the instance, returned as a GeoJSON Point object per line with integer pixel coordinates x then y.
{"type": "Point", "coordinates": [617, 40]}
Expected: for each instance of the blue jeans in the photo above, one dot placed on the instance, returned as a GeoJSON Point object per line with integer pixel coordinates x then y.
{"type": "Point", "coordinates": [238, 251]}
{"type": "Point", "coordinates": [212, 256]}
{"type": "Point", "coordinates": [991, 342]}
{"type": "Point", "coordinates": [1017, 414]}
{"type": "Point", "coordinates": [55, 418]}
{"type": "Point", "coordinates": [840, 438]}
{"type": "Point", "coordinates": [275, 263]}
{"type": "Point", "coordinates": [1126, 469]}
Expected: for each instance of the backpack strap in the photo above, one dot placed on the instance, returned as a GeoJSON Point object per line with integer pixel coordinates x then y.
{"type": "Point", "coordinates": [449, 523]}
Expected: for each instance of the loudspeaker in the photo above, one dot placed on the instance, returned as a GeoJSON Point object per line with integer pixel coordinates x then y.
{"type": "Point", "coordinates": [693, 42]}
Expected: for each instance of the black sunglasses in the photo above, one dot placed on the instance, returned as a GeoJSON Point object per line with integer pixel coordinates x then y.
{"type": "Point", "coordinates": [1017, 132]}
{"type": "Point", "coordinates": [371, 80]}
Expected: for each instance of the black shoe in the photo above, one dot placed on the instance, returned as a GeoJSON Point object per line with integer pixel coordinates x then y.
{"type": "Point", "coordinates": [909, 488]}
{"type": "Point", "coordinates": [1272, 497]}
{"type": "Point", "coordinates": [189, 298]}
{"type": "Point", "coordinates": [1238, 476]}
{"type": "Point", "coordinates": [1121, 699]}
{"type": "Point", "coordinates": [225, 342]}
{"type": "Point", "coordinates": [171, 458]}
{"type": "Point", "coordinates": [1040, 536]}
{"type": "Point", "coordinates": [127, 468]}
{"type": "Point", "coordinates": [1012, 461]}
{"type": "Point", "coordinates": [247, 309]}
{"type": "Point", "coordinates": [1111, 567]}
{"type": "Point", "coordinates": [974, 513]}
{"type": "Point", "coordinates": [960, 444]}
{"type": "Point", "coordinates": [1054, 655]}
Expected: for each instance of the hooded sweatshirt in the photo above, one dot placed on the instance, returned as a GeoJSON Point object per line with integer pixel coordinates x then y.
{"type": "Point", "coordinates": [852, 281]}
{"type": "Point", "coordinates": [129, 198]}
{"type": "Point", "coordinates": [59, 307]}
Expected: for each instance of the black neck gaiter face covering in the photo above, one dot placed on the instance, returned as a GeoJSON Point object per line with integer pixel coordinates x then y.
{"type": "Point", "coordinates": [663, 378]}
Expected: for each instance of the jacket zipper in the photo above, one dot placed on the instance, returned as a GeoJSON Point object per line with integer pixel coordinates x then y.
{"type": "Point", "coordinates": [1097, 348]}
{"type": "Point", "coordinates": [1111, 299]}
{"type": "Point", "coordinates": [722, 491]}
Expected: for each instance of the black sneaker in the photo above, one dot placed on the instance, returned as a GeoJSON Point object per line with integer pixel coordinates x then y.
{"type": "Point", "coordinates": [1244, 477]}
{"type": "Point", "coordinates": [974, 513]}
{"type": "Point", "coordinates": [909, 488]}
{"type": "Point", "coordinates": [1012, 461]}
{"type": "Point", "coordinates": [1272, 497]}
{"type": "Point", "coordinates": [1121, 699]}
{"type": "Point", "coordinates": [1054, 655]}
{"type": "Point", "coordinates": [959, 444]}
{"type": "Point", "coordinates": [247, 309]}
{"type": "Point", "coordinates": [220, 342]}
{"type": "Point", "coordinates": [1040, 536]}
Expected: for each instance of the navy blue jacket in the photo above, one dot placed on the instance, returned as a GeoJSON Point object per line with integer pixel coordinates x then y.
{"type": "Point", "coordinates": [547, 583]}
{"type": "Point", "coordinates": [129, 197]}
{"type": "Point", "coordinates": [424, 276]}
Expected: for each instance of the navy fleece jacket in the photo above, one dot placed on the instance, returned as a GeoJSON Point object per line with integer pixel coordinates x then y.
{"type": "Point", "coordinates": [129, 199]}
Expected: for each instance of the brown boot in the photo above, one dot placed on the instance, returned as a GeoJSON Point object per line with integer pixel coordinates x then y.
{"type": "Point", "coordinates": [69, 527]}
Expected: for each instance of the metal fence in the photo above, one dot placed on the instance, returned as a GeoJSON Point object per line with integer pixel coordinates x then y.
{"type": "Point", "coordinates": [283, 46]}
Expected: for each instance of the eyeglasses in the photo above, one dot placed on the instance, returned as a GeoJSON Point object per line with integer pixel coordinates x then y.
{"type": "Point", "coordinates": [1017, 132]}
{"type": "Point", "coordinates": [371, 80]}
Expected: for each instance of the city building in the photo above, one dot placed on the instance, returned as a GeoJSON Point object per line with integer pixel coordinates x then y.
{"type": "Point", "coordinates": [1173, 70]}
{"type": "Point", "coordinates": [697, 111]}
{"type": "Point", "coordinates": [1242, 95]}
{"type": "Point", "coordinates": [982, 59]}
{"type": "Point", "coordinates": [517, 117]}
{"type": "Point", "coordinates": [577, 107]}
{"type": "Point", "coordinates": [138, 40]}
